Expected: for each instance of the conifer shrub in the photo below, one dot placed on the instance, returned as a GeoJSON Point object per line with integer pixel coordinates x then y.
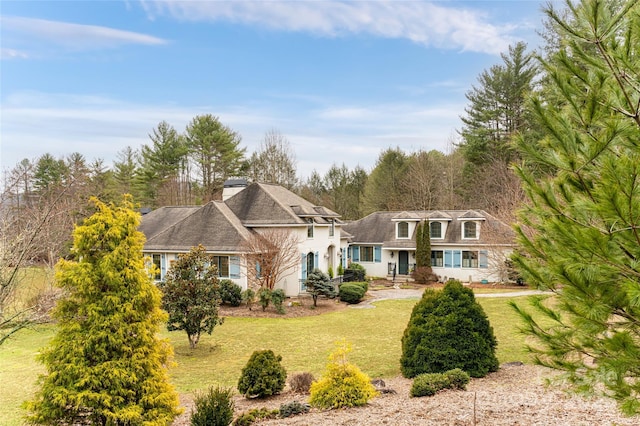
{"type": "Point", "coordinates": [428, 384]}
{"type": "Point", "coordinates": [351, 293]}
{"type": "Point", "coordinates": [230, 293]}
{"type": "Point", "coordinates": [292, 408]}
{"type": "Point", "coordinates": [264, 297]}
{"type": "Point", "coordinates": [319, 284]}
{"type": "Point", "coordinates": [213, 408]}
{"type": "Point", "coordinates": [248, 297]}
{"type": "Point", "coordinates": [342, 384]}
{"type": "Point", "coordinates": [277, 297]}
{"type": "Point", "coordinates": [263, 375]}
{"type": "Point", "coordinates": [255, 414]}
{"type": "Point", "coordinates": [448, 329]}
{"type": "Point", "coordinates": [301, 382]}
{"type": "Point", "coordinates": [458, 379]}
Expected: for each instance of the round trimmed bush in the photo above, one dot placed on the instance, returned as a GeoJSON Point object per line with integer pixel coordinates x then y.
{"type": "Point", "coordinates": [230, 293]}
{"type": "Point", "coordinates": [351, 293]}
{"type": "Point", "coordinates": [447, 330]}
{"type": "Point", "coordinates": [263, 375]}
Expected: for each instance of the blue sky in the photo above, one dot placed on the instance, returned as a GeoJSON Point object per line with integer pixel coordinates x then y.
{"type": "Point", "coordinates": [341, 80]}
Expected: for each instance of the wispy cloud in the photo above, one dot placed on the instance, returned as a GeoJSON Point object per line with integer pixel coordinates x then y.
{"type": "Point", "coordinates": [6, 53]}
{"type": "Point", "coordinates": [426, 23]}
{"type": "Point", "coordinates": [100, 127]}
{"type": "Point", "coordinates": [26, 31]}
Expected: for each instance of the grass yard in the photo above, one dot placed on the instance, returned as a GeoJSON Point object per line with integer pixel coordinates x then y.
{"type": "Point", "coordinates": [304, 344]}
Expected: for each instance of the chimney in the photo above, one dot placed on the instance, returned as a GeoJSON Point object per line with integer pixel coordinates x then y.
{"type": "Point", "coordinates": [232, 187]}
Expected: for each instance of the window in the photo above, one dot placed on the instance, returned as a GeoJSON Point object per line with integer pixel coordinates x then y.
{"type": "Point", "coordinates": [435, 230]}
{"type": "Point", "coordinates": [332, 227]}
{"type": "Point", "coordinates": [310, 228]}
{"type": "Point", "coordinates": [403, 230]}
{"type": "Point", "coordinates": [469, 259]}
{"type": "Point", "coordinates": [437, 258]}
{"type": "Point", "coordinates": [366, 253]}
{"type": "Point", "coordinates": [469, 230]}
{"type": "Point", "coordinates": [157, 273]}
{"type": "Point", "coordinates": [222, 263]}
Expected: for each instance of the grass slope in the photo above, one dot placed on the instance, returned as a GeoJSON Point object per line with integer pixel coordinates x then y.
{"type": "Point", "coordinates": [304, 344]}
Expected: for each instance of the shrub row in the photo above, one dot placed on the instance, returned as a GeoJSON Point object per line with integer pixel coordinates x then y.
{"type": "Point", "coordinates": [427, 384]}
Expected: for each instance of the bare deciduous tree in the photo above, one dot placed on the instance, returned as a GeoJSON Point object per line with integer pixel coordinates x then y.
{"type": "Point", "coordinates": [269, 255]}
{"type": "Point", "coordinates": [274, 162]}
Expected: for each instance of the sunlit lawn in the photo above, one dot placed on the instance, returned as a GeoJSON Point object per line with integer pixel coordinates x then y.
{"type": "Point", "coordinates": [304, 344]}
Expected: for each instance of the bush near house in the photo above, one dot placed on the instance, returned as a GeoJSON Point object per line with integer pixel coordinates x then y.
{"type": "Point", "coordinates": [448, 329]}
{"type": "Point", "coordinates": [351, 293]}
{"type": "Point", "coordinates": [355, 272]}
{"type": "Point", "coordinates": [263, 375]}
{"type": "Point", "coordinates": [230, 293]}
{"type": "Point", "coordinates": [319, 284]}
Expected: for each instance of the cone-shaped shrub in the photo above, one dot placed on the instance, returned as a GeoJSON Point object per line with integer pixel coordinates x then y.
{"type": "Point", "coordinates": [447, 330]}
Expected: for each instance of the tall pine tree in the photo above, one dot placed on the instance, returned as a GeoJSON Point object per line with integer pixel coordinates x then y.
{"type": "Point", "coordinates": [106, 366]}
{"type": "Point", "coordinates": [580, 232]}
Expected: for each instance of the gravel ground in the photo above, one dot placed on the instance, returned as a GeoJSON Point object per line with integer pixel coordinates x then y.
{"type": "Point", "coordinates": [514, 395]}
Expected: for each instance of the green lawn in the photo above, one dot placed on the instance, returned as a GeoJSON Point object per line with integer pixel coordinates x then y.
{"type": "Point", "coordinates": [304, 344]}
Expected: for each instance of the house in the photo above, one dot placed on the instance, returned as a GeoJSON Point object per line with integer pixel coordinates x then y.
{"type": "Point", "coordinates": [468, 245]}
{"type": "Point", "coordinates": [225, 227]}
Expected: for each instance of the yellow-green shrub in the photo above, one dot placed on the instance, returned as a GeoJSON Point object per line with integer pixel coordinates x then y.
{"type": "Point", "coordinates": [342, 384]}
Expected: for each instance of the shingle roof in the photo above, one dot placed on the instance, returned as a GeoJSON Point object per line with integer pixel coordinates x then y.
{"type": "Point", "coordinates": [160, 219]}
{"type": "Point", "coordinates": [379, 228]}
{"type": "Point", "coordinates": [223, 226]}
{"type": "Point", "coordinates": [268, 204]}
{"type": "Point", "coordinates": [212, 225]}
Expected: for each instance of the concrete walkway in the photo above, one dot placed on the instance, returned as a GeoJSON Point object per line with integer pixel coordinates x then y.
{"type": "Point", "coordinates": [416, 294]}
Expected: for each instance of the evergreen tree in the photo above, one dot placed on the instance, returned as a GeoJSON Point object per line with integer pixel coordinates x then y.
{"type": "Point", "coordinates": [105, 366]}
{"type": "Point", "coordinates": [448, 329]}
{"type": "Point", "coordinates": [579, 233]}
{"type": "Point", "coordinates": [191, 294]}
{"type": "Point", "coordinates": [423, 245]}
{"type": "Point", "coordinates": [383, 190]}
{"type": "Point", "coordinates": [214, 149]}
{"type": "Point", "coordinates": [163, 167]}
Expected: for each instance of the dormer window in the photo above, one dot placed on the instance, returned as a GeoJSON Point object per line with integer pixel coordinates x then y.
{"type": "Point", "coordinates": [469, 230]}
{"type": "Point", "coordinates": [332, 227]}
{"type": "Point", "coordinates": [310, 228]}
{"type": "Point", "coordinates": [435, 230]}
{"type": "Point", "coordinates": [403, 230]}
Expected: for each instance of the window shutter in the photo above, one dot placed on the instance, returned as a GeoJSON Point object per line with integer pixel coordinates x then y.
{"type": "Point", "coordinates": [457, 258]}
{"type": "Point", "coordinates": [234, 267]}
{"type": "Point", "coordinates": [355, 253]}
{"type": "Point", "coordinates": [163, 265]}
{"type": "Point", "coordinates": [315, 260]}
{"type": "Point", "coordinates": [484, 259]}
{"type": "Point", "coordinates": [377, 254]}
{"type": "Point", "coordinates": [304, 266]}
{"type": "Point", "coordinates": [448, 259]}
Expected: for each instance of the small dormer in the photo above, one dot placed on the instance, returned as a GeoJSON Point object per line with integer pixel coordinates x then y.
{"type": "Point", "coordinates": [470, 225]}
{"type": "Point", "coordinates": [438, 223]}
{"type": "Point", "coordinates": [405, 225]}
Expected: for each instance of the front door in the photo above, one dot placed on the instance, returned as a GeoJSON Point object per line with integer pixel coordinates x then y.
{"type": "Point", "coordinates": [403, 262]}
